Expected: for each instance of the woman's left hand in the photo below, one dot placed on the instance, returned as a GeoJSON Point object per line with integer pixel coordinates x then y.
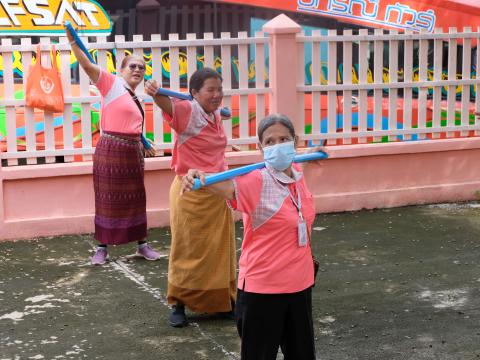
{"type": "Point", "coordinates": [150, 152]}
{"type": "Point", "coordinates": [315, 149]}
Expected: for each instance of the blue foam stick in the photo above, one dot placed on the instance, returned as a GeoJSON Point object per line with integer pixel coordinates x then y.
{"type": "Point", "coordinates": [175, 94]}
{"type": "Point", "coordinates": [230, 174]}
{"type": "Point", "coordinates": [225, 112]}
{"type": "Point", "coordinates": [78, 41]}
{"type": "Point", "coordinates": [165, 92]}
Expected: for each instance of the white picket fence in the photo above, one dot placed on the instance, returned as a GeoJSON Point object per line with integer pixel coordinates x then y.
{"type": "Point", "coordinates": [212, 50]}
{"type": "Point", "coordinates": [330, 45]}
{"type": "Point", "coordinates": [339, 109]}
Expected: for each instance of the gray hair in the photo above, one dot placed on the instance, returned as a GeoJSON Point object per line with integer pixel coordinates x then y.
{"type": "Point", "coordinates": [273, 119]}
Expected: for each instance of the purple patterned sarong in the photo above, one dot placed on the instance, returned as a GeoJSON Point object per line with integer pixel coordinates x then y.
{"type": "Point", "coordinates": [120, 201]}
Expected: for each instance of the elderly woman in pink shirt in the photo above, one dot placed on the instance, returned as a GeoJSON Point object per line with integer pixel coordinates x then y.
{"type": "Point", "coordinates": [274, 299]}
{"type": "Point", "coordinates": [118, 164]}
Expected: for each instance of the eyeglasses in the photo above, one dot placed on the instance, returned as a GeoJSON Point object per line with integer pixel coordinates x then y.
{"type": "Point", "coordinates": [136, 66]}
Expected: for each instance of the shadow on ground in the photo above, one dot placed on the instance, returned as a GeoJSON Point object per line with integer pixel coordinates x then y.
{"type": "Point", "coordinates": [393, 284]}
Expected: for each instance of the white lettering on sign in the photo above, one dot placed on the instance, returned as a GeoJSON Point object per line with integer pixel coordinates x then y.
{"type": "Point", "coordinates": [88, 9]}
{"type": "Point", "coordinates": [397, 16]}
{"type": "Point", "coordinates": [45, 14]}
{"type": "Point", "coordinates": [11, 12]}
{"type": "Point", "coordinates": [33, 7]}
{"type": "Point", "coordinates": [66, 7]}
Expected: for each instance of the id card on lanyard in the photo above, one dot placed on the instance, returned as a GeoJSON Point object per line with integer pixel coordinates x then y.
{"type": "Point", "coordinates": [302, 224]}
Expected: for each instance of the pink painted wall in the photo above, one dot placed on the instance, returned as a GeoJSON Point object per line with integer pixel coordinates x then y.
{"type": "Point", "coordinates": [58, 199]}
{"type": "Point", "coordinates": [398, 174]}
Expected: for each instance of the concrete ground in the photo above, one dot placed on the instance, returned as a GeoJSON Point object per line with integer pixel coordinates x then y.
{"type": "Point", "coordinates": [394, 284]}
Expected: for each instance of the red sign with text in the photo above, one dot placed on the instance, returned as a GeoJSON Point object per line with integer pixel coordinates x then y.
{"type": "Point", "coordinates": [419, 15]}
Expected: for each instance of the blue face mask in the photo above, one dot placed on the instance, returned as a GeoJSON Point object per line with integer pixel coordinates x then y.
{"type": "Point", "coordinates": [279, 156]}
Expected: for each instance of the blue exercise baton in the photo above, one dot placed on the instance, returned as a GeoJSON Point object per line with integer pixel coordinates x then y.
{"type": "Point", "coordinates": [165, 92]}
{"type": "Point", "coordinates": [230, 174]}
{"type": "Point", "coordinates": [78, 41]}
{"type": "Point", "coordinates": [175, 94]}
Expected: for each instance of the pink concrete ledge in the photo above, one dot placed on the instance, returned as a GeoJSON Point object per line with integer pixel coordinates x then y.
{"type": "Point", "coordinates": [57, 199]}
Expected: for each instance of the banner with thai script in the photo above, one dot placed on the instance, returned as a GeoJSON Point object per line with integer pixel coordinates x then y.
{"type": "Point", "coordinates": [46, 17]}
{"type": "Point", "coordinates": [421, 15]}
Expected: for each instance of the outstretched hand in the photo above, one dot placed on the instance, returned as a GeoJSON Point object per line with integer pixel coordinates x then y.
{"type": "Point", "coordinates": [69, 35]}
{"type": "Point", "coordinates": [315, 149]}
{"type": "Point", "coordinates": [189, 180]}
{"type": "Point", "coordinates": [151, 87]}
{"type": "Point", "coordinates": [312, 150]}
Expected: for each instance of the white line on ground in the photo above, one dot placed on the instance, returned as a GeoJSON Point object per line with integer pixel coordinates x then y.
{"type": "Point", "coordinates": [157, 294]}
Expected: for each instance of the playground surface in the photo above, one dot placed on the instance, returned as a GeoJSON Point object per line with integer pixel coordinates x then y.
{"type": "Point", "coordinates": [398, 283]}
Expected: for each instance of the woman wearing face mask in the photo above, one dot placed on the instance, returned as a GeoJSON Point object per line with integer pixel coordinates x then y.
{"type": "Point", "coordinates": [202, 262]}
{"type": "Point", "coordinates": [118, 164]}
{"type": "Point", "coordinates": [274, 301]}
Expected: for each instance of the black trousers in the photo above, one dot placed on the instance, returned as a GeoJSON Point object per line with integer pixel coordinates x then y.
{"type": "Point", "coordinates": [266, 322]}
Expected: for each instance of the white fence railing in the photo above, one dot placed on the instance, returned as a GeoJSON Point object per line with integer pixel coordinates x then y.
{"type": "Point", "coordinates": [351, 88]}
{"type": "Point", "coordinates": [71, 134]}
{"type": "Point", "coordinates": [359, 101]}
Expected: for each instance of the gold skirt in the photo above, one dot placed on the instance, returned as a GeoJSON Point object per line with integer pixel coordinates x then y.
{"type": "Point", "coordinates": [201, 269]}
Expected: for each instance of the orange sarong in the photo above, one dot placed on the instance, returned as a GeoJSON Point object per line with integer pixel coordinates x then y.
{"type": "Point", "coordinates": [202, 264]}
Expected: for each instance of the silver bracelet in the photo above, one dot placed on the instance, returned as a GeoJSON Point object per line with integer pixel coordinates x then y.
{"type": "Point", "coordinates": [73, 42]}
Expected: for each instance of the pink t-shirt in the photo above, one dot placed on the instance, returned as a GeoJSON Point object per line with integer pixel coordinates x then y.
{"type": "Point", "coordinates": [119, 112]}
{"type": "Point", "coordinates": [272, 262]}
{"type": "Point", "coordinates": [200, 141]}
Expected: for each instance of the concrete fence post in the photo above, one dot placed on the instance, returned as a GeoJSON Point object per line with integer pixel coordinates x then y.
{"type": "Point", "coordinates": [283, 67]}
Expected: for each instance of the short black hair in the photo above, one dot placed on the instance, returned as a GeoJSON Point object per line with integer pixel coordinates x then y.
{"type": "Point", "coordinates": [198, 78]}
{"type": "Point", "coordinates": [273, 119]}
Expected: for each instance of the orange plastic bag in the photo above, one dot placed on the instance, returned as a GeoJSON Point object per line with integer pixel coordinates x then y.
{"type": "Point", "coordinates": [44, 85]}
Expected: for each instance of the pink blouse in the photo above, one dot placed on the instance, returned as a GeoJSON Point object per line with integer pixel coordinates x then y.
{"type": "Point", "coordinates": [272, 261]}
{"type": "Point", "coordinates": [119, 112]}
{"type": "Point", "coordinates": [200, 141]}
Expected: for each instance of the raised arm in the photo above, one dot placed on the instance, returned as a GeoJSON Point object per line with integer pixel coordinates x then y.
{"type": "Point", "coordinates": [224, 189]}
{"type": "Point", "coordinates": [92, 70]}
{"type": "Point", "coordinates": [163, 102]}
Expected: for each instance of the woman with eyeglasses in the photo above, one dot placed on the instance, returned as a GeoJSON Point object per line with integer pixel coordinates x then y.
{"type": "Point", "coordinates": [202, 262]}
{"type": "Point", "coordinates": [118, 162]}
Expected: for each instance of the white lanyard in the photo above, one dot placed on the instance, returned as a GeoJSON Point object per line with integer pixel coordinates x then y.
{"type": "Point", "coordinates": [302, 225]}
{"type": "Point", "coordinates": [298, 203]}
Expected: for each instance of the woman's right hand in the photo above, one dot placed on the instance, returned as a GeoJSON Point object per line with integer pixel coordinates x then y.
{"type": "Point", "coordinates": [163, 102]}
{"type": "Point", "coordinates": [189, 179]}
{"type": "Point", "coordinates": [92, 69]}
{"type": "Point", "coordinates": [69, 36]}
